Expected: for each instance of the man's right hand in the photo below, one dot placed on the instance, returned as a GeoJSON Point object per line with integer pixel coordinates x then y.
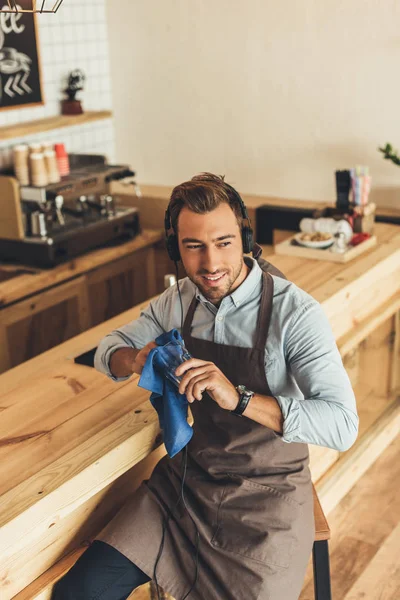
{"type": "Point", "coordinates": [125, 361]}
{"type": "Point", "coordinates": [141, 357]}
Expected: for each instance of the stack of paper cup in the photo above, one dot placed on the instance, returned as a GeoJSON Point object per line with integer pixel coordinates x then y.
{"type": "Point", "coordinates": [47, 146]}
{"type": "Point", "coordinates": [21, 164]}
{"type": "Point", "coordinates": [62, 159]}
{"type": "Point", "coordinates": [50, 160]}
{"type": "Point", "coordinates": [38, 169]}
{"type": "Point", "coordinates": [34, 148]}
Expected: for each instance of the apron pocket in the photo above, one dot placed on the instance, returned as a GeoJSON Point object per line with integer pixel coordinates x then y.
{"type": "Point", "coordinates": [256, 521]}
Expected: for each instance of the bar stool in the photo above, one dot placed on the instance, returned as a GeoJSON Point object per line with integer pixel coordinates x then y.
{"type": "Point", "coordinates": [322, 577]}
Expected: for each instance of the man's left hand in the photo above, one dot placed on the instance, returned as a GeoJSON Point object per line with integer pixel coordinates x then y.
{"type": "Point", "coordinates": [200, 376]}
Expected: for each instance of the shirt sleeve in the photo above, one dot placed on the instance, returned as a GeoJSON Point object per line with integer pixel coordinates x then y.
{"type": "Point", "coordinates": [327, 416]}
{"type": "Point", "coordinates": [135, 334]}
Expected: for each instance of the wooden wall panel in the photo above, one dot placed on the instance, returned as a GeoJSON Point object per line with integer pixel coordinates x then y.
{"type": "Point", "coordinates": [120, 285]}
{"type": "Point", "coordinates": [45, 320]}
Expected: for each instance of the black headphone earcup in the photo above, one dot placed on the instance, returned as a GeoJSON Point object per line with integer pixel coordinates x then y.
{"type": "Point", "coordinates": [173, 248]}
{"type": "Point", "coordinates": [247, 239]}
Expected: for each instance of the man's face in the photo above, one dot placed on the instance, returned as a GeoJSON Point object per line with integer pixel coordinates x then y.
{"type": "Point", "coordinates": [211, 250]}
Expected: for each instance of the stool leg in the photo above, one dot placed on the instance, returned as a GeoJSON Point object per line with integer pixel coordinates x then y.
{"type": "Point", "coordinates": [322, 577]}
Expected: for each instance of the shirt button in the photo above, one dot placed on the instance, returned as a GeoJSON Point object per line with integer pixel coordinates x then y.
{"type": "Point", "coordinates": [237, 303]}
{"type": "Point", "coordinates": [220, 318]}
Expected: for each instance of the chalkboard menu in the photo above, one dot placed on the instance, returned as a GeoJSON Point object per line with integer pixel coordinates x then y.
{"type": "Point", "coordinates": [20, 83]}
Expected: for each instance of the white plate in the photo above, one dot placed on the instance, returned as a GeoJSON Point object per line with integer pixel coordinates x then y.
{"type": "Point", "coordinates": [309, 244]}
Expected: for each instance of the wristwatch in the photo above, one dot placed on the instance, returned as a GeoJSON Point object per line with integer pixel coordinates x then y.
{"type": "Point", "coordinates": [245, 396]}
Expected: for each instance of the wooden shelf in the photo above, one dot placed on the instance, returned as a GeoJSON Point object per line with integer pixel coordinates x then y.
{"type": "Point", "coordinates": [58, 122]}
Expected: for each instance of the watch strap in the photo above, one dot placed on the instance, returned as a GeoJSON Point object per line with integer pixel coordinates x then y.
{"type": "Point", "coordinates": [244, 398]}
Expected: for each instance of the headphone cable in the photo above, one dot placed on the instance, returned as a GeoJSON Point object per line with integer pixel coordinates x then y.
{"type": "Point", "coordinates": [165, 524]}
{"type": "Point", "coordinates": [181, 496]}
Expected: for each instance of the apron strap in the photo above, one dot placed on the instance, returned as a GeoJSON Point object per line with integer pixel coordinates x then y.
{"type": "Point", "coordinates": [257, 251]}
{"type": "Point", "coordinates": [264, 314]}
{"type": "Point", "coordinates": [187, 325]}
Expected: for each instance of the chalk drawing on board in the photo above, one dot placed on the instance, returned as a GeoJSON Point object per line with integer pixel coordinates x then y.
{"type": "Point", "coordinates": [20, 83]}
{"type": "Point", "coordinates": [14, 71]}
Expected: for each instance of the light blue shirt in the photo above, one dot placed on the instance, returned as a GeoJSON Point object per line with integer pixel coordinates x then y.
{"type": "Point", "coordinates": [302, 362]}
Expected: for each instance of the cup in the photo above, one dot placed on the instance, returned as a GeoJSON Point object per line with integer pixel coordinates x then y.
{"type": "Point", "coordinates": [169, 358]}
{"type": "Point", "coordinates": [50, 161]}
{"type": "Point", "coordinates": [21, 165]}
{"type": "Point", "coordinates": [62, 159]}
{"type": "Point", "coordinates": [38, 170]}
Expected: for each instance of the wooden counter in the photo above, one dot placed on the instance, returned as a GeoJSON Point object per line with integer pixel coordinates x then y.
{"type": "Point", "coordinates": [73, 444]}
{"type": "Point", "coordinates": [30, 280]}
{"type": "Point", "coordinates": [41, 308]}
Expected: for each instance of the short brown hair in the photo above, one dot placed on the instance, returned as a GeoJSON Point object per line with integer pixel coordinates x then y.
{"type": "Point", "coordinates": [202, 194]}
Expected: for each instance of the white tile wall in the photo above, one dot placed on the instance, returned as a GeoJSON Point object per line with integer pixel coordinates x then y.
{"type": "Point", "coordinates": [73, 38]}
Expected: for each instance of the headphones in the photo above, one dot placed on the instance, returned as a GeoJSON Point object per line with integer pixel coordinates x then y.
{"type": "Point", "coordinates": [172, 238]}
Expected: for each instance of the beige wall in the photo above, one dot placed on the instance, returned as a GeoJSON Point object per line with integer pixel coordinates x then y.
{"type": "Point", "coordinates": [274, 94]}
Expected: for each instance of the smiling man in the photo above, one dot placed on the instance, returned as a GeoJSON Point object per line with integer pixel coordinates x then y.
{"type": "Point", "coordinates": [213, 262]}
{"type": "Point", "coordinates": [266, 379]}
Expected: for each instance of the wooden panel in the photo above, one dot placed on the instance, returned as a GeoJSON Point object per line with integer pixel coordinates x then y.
{"type": "Point", "coordinates": [351, 362]}
{"type": "Point", "coordinates": [354, 463]}
{"type": "Point", "coordinates": [376, 358]}
{"type": "Point", "coordinates": [120, 285]}
{"type": "Point", "coordinates": [356, 301]}
{"type": "Point", "coordinates": [321, 459]}
{"type": "Point", "coordinates": [45, 320]}
{"type": "Point", "coordinates": [164, 266]}
{"type": "Point", "coordinates": [364, 328]}
{"type": "Point", "coordinates": [395, 364]}
{"type": "Point", "coordinates": [11, 214]}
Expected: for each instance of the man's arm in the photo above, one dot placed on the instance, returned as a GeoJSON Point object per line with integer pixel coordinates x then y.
{"type": "Point", "coordinates": [199, 376]}
{"type": "Point", "coordinates": [119, 353]}
{"type": "Point", "coordinates": [266, 411]}
{"type": "Point", "coordinates": [326, 416]}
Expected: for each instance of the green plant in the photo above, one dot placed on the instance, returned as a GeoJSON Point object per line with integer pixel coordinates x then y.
{"type": "Point", "coordinates": [390, 154]}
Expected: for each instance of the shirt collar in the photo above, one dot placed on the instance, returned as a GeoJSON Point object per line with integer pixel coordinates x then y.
{"type": "Point", "coordinates": [243, 292]}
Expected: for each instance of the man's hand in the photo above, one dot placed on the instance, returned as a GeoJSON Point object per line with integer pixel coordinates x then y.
{"type": "Point", "coordinates": [125, 361]}
{"type": "Point", "coordinates": [141, 357]}
{"type": "Point", "coordinates": [200, 376]}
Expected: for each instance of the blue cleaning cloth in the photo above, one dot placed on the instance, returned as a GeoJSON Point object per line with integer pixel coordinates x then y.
{"type": "Point", "coordinates": [171, 406]}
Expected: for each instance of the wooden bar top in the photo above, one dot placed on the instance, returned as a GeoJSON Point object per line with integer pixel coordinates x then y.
{"type": "Point", "coordinates": [30, 280]}
{"type": "Point", "coordinates": [66, 430]}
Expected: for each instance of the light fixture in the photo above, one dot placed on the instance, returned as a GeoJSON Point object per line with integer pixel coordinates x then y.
{"type": "Point", "coordinates": [32, 6]}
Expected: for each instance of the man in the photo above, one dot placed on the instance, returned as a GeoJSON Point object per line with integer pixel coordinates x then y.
{"type": "Point", "coordinates": [265, 380]}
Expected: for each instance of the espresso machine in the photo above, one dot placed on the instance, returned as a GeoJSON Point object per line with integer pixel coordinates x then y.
{"type": "Point", "coordinates": [44, 226]}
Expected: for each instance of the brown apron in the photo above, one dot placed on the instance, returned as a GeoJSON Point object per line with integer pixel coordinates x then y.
{"type": "Point", "coordinates": [248, 492]}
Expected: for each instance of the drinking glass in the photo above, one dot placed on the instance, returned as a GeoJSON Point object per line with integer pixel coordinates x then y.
{"type": "Point", "coordinates": [169, 358]}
